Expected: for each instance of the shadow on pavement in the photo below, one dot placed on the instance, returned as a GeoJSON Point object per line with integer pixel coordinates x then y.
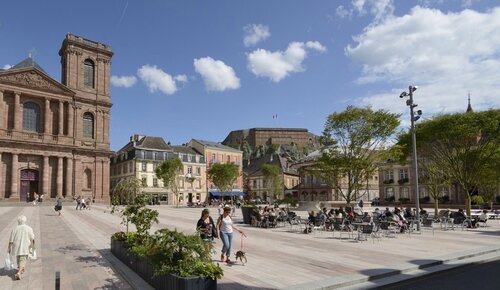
{"type": "Point", "coordinates": [9, 273]}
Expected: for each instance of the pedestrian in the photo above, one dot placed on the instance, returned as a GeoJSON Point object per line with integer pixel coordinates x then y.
{"type": "Point", "coordinates": [88, 203]}
{"type": "Point", "coordinates": [21, 240]}
{"type": "Point", "coordinates": [35, 198]}
{"type": "Point", "coordinates": [58, 206]}
{"type": "Point", "coordinates": [78, 202]}
{"type": "Point", "coordinates": [41, 197]}
{"type": "Point", "coordinates": [82, 204]}
{"type": "Point", "coordinates": [206, 228]}
{"type": "Point", "coordinates": [225, 227]}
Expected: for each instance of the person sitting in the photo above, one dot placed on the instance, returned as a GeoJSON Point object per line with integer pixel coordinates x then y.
{"type": "Point", "coordinates": [483, 218]}
{"type": "Point", "coordinates": [409, 213]}
{"type": "Point", "coordinates": [460, 218]}
{"type": "Point", "coordinates": [376, 216]}
{"type": "Point", "coordinates": [366, 217]}
{"type": "Point", "coordinates": [423, 211]}
{"type": "Point", "coordinates": [256, 217]}
{"type": "Point", "coordinates": [400, 220]}
{"type": "Point", "coordinates": [387, 213]}
{"type": "Point", "coordinates": [311, 221]}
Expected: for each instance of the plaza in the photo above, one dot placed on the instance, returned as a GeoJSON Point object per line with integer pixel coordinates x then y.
{"type": "Point", "coordinates": [76, 244]}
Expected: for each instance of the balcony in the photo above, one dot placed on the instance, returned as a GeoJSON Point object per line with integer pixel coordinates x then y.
{"type": "Point", "coordinates": [388, 181]}
{"type": "Point", "coordinates": [403, 180]}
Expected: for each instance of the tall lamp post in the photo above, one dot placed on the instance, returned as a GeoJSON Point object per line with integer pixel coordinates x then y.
{"type": "Point", "coordinates": [414, 116]}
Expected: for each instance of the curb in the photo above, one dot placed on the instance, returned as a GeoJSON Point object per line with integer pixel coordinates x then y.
{"type": "Point", "coordinates": [351, 280]}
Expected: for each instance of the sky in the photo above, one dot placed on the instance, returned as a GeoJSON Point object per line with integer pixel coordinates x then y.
{"type": "Point", "coordinates": [200, 69]}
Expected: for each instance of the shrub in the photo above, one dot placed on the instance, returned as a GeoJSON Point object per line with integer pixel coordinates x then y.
{"type": "Point", "coordinates": [444, 199]}
{"type": "Point", "coordinates": [425, 199]}
{"type": "Point", "coordinates": [404, 200]}
{"type": "Point", "coordinates": [390, 199]}
{"type": "Point", "coordinates": [180, 254]}
{"type": "Point", "coordinates": [477, 200]}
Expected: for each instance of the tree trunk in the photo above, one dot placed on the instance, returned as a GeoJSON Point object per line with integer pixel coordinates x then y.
{"type": "Point", "coordinates": [467, 204]}
{"type": "Point", "coordinates": [491, 204]}
{"type": "Point", "coordinates": [436, 207]}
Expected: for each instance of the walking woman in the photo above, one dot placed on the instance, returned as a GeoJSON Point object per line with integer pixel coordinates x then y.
{"type": "Point", "coordinates": [206, 228]}
{"type": "Point", "coordinates": [58, 206]}
{"type": "Point", "coordinates": [225, 229]}
{"type": "Point", "coordinates": [21, 239]}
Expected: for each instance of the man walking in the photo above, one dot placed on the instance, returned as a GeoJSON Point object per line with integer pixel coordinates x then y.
{"type": "Point", "coordinates": [21, 238]}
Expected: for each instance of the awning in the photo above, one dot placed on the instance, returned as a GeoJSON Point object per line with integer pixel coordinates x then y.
{"type": "Point", "coordinates": [233, 193]}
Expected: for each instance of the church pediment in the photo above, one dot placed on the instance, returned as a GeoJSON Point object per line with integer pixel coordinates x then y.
{"type": "Point", "coordinates": [33, 79]}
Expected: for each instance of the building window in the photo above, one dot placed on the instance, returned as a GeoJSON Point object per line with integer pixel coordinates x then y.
{"type": "Point", "coordinates": [155, 165]}
{"type": "Point", "coordinates": [190, 170]}
{"type": "Point", "coordinates": [389, 192]}
{"type": "Point", "coordinates": [31, 117]}
{"type": "Point", "coordinates": [125, 168]}
{"type": "Point", "coordinates": [88, 178]}
{"type": "Point", "coordinates": [213, 158]}
{"type": "Point", "coordinates": [404, 192]}
{"type": "Point", "coordinates": [155, 182]}
{"type": "Point", "coordinates": [88, 125]}
{"type": "Point", "coordinates": [88, 73]}
{"type": "Point", "coordinates": [144, 166]}
{"type": "Point", "coordinates": [389, 174]}
{"type": "Point", "coordinates": [403, 173]}
{"type": "Point", "coordinates": [131, 167]}
{"type": "Point", "coordinates": [144, 181]}
{"type": "Point", "coordinates": [198, 171]}
{"type": "Point", "coordinates": [228, 160]}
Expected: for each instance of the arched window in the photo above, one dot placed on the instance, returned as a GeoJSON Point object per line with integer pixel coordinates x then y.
{"type": "Point", "coordinates": [31, 117]}
{"type": "Point", "coordinates": [88, 125]}
{"type": "Point", "coordinates": [88, 73]}
{"type": "Point", "coordinates": [88, 179]}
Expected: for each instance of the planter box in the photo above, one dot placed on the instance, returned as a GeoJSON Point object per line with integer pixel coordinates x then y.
{"type": "Point", "coordinates": [144, 269]}
{"type": "Point", "coordinates": [247, 214]}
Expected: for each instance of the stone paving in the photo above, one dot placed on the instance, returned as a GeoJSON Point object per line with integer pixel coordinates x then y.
{"type": "Point", "coordinates": [77, 245]}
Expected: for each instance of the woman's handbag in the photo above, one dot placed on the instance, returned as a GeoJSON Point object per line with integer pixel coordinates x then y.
{"type": "Point", "coordinates": [8, 263]}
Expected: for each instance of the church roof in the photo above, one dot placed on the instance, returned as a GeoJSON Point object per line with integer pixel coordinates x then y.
{"type": "Point", "coordinates": [27, 63]}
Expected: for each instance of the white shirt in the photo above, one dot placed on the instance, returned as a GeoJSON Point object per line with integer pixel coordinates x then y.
{"type": "Point", "coordinates": [21, 236]}
{"type": "Point", "coordinates": [226, 224]}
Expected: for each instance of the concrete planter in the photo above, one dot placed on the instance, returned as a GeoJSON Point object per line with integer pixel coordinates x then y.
{"type": "Point", "coordinates": [247, 214]}
{"type": "Point", "coordinates": [144, 269]}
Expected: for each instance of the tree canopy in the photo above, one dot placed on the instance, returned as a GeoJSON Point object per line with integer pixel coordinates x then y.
{"type": "Point", "coordinates": [274, 181]}
{"type": "Point", "coordinates": [223, 176]}
{"type": "Point", "coordinates": [169, 171]}
{"type": "Point", "coordinates": [460, 145]}
{"type": "Point", "coordinates": [355, 139]}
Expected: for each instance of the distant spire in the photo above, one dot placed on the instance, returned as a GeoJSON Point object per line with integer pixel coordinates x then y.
{"type": "Point", "coordinates": [469, 107]}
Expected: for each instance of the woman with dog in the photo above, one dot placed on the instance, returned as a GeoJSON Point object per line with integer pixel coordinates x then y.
{"type": "Point", "coordinates": [225, 229]}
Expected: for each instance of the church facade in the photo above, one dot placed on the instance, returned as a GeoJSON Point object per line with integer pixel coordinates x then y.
{"type": "Point", "coordinates": [54, 136]}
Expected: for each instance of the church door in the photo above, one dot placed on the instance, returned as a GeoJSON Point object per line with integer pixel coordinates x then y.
{"type": "Point", "coordinates": [29, 184]}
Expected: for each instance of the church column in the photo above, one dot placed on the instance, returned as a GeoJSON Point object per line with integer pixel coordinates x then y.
{"type": "Point", "coordinates": [46, 118]}
{"type": "Point", "coordinates": [45, 181]}
{"type": "Point", "coordinates": [17, 112]}
{"type": "Point", "coordinates": [70, 119]}
{"type": "Point", "coordinates": [59, 176]}
{"type": "Point", "coordinates": [61, 119]}
{"type": "Point", "coordinates": [14, 192]}
{"type": "Point", "coordinates": [79, 177]}
{"type": "Point", "coordinates": [69, 176]}
{"type": "Point", "coordinates": [3, 115]}
{"type": "Point", "coordinates": [105, 180]}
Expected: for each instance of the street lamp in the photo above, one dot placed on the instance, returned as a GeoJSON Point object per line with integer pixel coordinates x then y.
{"type": "Point", "coordinates": [414, 116]}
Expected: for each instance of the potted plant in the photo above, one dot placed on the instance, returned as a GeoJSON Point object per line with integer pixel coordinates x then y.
{"type": "Point", "coordinates": [166, 259]}
{"type": "Point", "coordinates": [246, 211]}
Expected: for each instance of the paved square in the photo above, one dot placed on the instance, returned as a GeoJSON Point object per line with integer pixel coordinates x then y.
{"type": "Point", "coordinates": [77, 245]}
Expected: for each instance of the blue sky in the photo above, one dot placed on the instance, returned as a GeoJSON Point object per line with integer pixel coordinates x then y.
{"type": "Point", "coordinates": [199, 69]}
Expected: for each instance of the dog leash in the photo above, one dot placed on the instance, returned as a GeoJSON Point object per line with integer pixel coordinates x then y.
{"type": "Point", "coordinates": [241, 241]}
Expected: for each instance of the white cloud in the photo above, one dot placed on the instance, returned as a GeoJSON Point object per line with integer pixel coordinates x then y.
{"type": "Point", "coordinates": [123, 81]}
{"type": "Point", "coordinates": [255, 33]}
{"type": "Point", "coordinates": [7, 66]}
{"type": "Point", "coordinates": [342, 12]}
{"type": "Point", "coordinates": [446, 54]}
{"type": "Point", "coordinates": [181, 78]}
{"type": "Point", "coordinates": [158, 80]}
{"type": "Point", "coordinates": [379, 9]}
{"type": "Point", "coordinates": [279, 64]}
{"type": "Point", "coordinates": [216, 74]}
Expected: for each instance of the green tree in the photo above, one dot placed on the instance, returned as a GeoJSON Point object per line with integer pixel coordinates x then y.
{"type": "Point", "coordinates": [489, 179]}
{"type": "Point", "coordinates": [169, 171]}
{"type": "Point", "coordinates": [273, 179]}
{"type": "Point", "coordinates": [126, 191]}
{"type": "Point", "coordinates": [460, 145]}
{"type": "Point", "coordinates": [356, 138]}
{"type": "Point", "coordinates": [434, 179]}
{"type": "Point", "coordinates": [223, 176]}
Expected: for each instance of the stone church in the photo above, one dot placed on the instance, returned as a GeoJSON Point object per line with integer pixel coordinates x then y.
{"type": "Point", "coordinates": [54, 136]}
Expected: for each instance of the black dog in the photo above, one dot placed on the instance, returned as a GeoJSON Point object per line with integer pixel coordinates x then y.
{"type": "Point", "coordinates": [242, 256]}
